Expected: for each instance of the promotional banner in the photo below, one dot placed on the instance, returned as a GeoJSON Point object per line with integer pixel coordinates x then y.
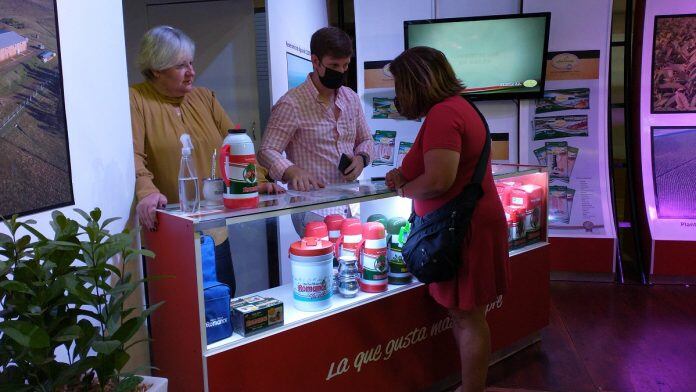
{"type": "Point", "coordinates": [565, 131]}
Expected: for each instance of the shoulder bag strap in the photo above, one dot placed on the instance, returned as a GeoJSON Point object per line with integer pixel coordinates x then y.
{"type": "Point", "coordinates": [481, 165]}
{"type": "Point", "coordinates": [480, 170]}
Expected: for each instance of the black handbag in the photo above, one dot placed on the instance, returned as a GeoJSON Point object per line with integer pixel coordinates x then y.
{"type": "Point", "coordinates": [432, 251]}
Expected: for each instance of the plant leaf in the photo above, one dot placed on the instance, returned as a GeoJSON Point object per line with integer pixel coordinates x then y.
{"type": "Point", "coordinates": [127, 330]}
{"type": "Point", "coordinates": [67, 334]}
{"type": "Point", "coordinates": [105, 346]}
{"type": "Point", "coordinates": [5, 239]}
{"type": "Point", "coordinates": [109, 221]}
{"type": "Point", "coordinates": [95, 214]}
{"type": "Point", "coordinates": [151, 309]}
{"type": "Point", "coordinates": [33, 231]}
{"type": "Point", "coordinates": [121, 358]}
{"type": "Point", "coordinates": [25, 333]}
{"type": "Point", "coordinates": [82, 214]}
{"type": "Point", "coordinates": [129, 383]}
{"type": "Point", "coordinates": [15, 286]}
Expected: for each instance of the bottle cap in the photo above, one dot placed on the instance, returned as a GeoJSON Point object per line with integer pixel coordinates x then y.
{"type": "Point", "coordinates": [186, 144]}
{"type": "Point", "coordinates": [235, 131]}
{"type": "Point", "coordinates": [373, 231]}
{"type": "Point", "coordinates": [316, 229]}
{"type": "Point", "coordinates": [351, 226]}
{"type": "Point", "coordinates": [311, 246]}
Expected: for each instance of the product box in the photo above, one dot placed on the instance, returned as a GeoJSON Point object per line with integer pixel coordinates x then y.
{"type": "Point", "coordinates": [254, 314]}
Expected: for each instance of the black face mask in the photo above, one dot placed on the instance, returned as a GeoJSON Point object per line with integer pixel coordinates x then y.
{"type": "Point", "coordinates": [332, 79]}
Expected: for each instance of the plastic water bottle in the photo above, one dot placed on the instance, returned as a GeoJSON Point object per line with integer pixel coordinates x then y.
{"type": "Point", "coordinates": [189, 196]}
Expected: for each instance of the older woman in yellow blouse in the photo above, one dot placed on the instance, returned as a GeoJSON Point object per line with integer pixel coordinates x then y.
{"type": "Point", "coordinates": [164, 107]}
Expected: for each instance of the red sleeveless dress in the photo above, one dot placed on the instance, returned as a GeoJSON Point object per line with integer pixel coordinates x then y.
{"type": "Point", "coordinates": [454, 124]}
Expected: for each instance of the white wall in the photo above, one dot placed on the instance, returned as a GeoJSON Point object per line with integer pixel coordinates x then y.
{"type": "Point", "coordinates": [661, 229]}
{"type": "Point", "coordinates": [290, 22]}
{"type": "Point", "coordinates": [97, 109]}
{"type": "Point", "coordinates": [225, 48]}
{"type": "Point", "coordinates": [459, 8]}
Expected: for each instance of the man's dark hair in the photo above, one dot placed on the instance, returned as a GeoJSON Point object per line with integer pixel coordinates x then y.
{"type": "Point", "coordinates": [331, 41]}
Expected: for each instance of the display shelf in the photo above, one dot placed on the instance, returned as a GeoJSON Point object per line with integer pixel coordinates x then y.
{"type": "Point", "coordinates": [503, 171]}
{"type": "Point", "coordinates": [295, 318]}
{"type": "Point", "coordinates": [527, 248]}
{"type": "Point", "coordinates": [287, 203]}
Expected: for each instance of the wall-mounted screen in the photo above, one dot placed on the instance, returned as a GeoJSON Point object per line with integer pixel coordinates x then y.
{"type": "Point", "coordinates": [496, 57]}
{"type": "Point", "coordinates": [298, 68]}
{"type": "Point", "coordinates": [674, 165]}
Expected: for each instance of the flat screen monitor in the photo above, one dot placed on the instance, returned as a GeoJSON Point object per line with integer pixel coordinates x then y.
{"type": "Point", "coordinates": [495, 57]}
{"type": "Point", "coordinates": [298, 68]}
{"type": "Point", "coordinates": [674, 163]}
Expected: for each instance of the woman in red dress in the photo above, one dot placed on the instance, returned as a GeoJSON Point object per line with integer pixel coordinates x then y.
{"type": "Point", "coordinates": [436, 169]}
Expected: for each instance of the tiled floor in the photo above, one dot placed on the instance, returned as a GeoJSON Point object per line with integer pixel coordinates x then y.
{"type": "Point", "coordinates": [609, 337]}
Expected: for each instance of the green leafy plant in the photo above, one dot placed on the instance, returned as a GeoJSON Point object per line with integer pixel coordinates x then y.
{"type": "Point", "coordinates": [66, 292]}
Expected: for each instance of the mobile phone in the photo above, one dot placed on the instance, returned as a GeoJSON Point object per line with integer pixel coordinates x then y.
{"type": "Point", "coordinates": [344, 163]}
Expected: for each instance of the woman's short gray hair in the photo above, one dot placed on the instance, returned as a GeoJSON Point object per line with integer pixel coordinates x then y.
{"type": "Point", "coordinates": [163, 47]}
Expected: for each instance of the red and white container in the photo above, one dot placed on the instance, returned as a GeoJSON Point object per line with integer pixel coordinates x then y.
{"type": "Point", "coordinates": [333, 224]}
{"type": "Point", "coordinates": [237, 163]}
{"type": "Point", "coordinates": [532, 203]}
{"type": "Point", "coordinates": [317, 230]}
{"type": "Point", "coordinates": [311, 264]}
{"type": "Point", "coordinates": [372, 262]}
{"type": "Point", "coordinates": [351, 235]}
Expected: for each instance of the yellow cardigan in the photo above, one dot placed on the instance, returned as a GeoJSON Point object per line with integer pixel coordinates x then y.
{"type": "Point", "coordinates": [157, 127]}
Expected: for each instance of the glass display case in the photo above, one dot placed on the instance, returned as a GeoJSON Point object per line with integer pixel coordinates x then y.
{"type": "Point", "coordinates": [255, 271]}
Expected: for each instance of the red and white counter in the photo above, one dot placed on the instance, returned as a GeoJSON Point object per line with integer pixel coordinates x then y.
{"type": "Point", "coordinates": [395, 340]}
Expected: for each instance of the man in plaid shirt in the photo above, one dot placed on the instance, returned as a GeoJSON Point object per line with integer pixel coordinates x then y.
{"type": "Point", "coordinates": [316, 122]}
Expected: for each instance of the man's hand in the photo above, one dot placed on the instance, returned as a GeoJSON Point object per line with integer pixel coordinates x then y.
{"type": "Point", "coordinates": [146, 209]}
{"type": "Point", "coordinates": [394, 179]}
{"type": "Point", "coordinates": [354, 169]}
{"type": "Point", "coordinates": [298, 179]}
{"type": "Point", "coordinates": [270, 188]}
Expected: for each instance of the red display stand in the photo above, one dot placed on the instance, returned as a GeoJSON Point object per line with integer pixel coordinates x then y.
{"type": "Point", "coordinates": [583, 258]}
{"type": "Point", "coordinates": [397, 340]}
{"type": "Point", "coordinates": [673, 262]}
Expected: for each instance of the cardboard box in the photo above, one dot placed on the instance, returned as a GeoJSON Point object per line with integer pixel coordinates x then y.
{"type": "Point", "coordinates": [254, 314]}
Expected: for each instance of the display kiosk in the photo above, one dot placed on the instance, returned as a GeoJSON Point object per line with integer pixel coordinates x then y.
{"type": "Point", "coordinates": [373, 339]}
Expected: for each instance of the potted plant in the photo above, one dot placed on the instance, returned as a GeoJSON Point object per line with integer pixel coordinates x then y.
{"type": "Point", "coordinates": [66, 295]}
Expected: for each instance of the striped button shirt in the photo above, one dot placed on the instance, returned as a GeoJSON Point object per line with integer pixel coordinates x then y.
{"type": "Point", "coordinates": [312, 136]}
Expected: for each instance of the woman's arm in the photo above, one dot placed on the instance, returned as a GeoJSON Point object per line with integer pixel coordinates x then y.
{"type": "Point", "coordinates": [441, 167]}
{"type": "Point", "coordinates": [143, 176]}
{"type": "Point", "coordinates": [148, 196]}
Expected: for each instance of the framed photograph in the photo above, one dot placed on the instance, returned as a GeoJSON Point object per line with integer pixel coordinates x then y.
{"type": "Point", "coordinates": [673, 87]}
{"type": "Point", "coordinates": [34, 154]}
{"type": "Point", "coordinates": [673, 165]}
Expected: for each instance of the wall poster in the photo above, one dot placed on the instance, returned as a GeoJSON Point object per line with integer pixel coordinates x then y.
{"type": "Point", "coordinates": [674, 64]}
{"type": "Point", "coordinates": [674, 163]}
{"type": "Point", "coordinates": [564, 137]}
{"type": "Point", "coordinates": [34, 155]}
